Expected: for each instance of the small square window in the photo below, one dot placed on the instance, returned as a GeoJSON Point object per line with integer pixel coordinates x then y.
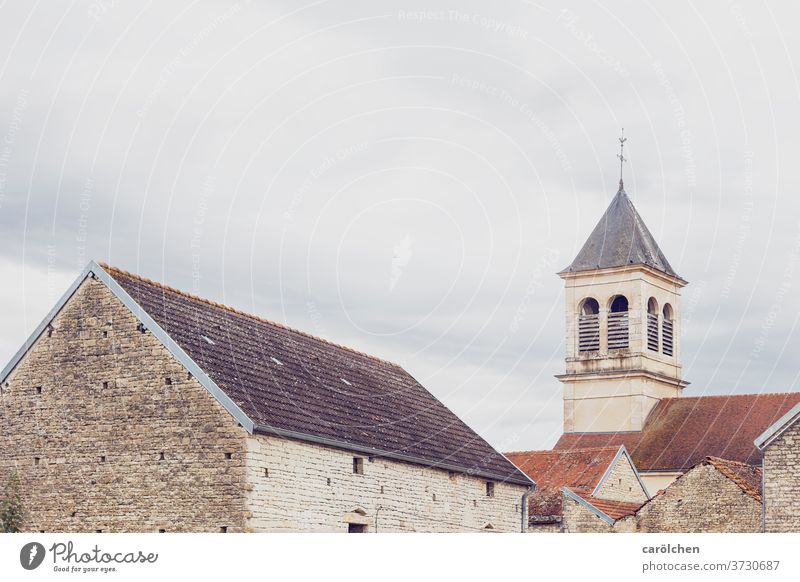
{"type": "Point", "coordinates": [105, 333]}
{"type": "Point", "coordinates": [36, 460]}
{"type": "Point", "coordinates": [102, 458]}
{"type": "Point", "coordinates": [223, 529]}
{"type": "Point", "coordinates": [229, 456]}
{"type": "Point", "coordinates": [105, 385]}
{"type": "Point", "coordinates": [489, 489]}
{"type": "Point", "coordinates": [358, 465]}
{"type": "Point", "coordinates": [168, 381]}
{"type": "Point", "coordinates": [38, 389]}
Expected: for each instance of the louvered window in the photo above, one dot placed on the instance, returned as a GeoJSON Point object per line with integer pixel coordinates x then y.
{"type": "Point", "coordinates": [652, 332]}
{"type": "Point", "coordinates": [618, 333]}
{"type": "Point", "coordinates": [667, 332]}
{"type": "Point", "coordinates": [589, 326]}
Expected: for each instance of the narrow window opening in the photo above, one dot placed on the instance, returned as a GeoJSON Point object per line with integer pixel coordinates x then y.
{"type": "Point", "coordinates": [161, 456]}
{"type": "Point", "coordinates": [73, 514]}
{"type": "Point", "coordinates": [38, 389]}
{"type": "Point", "coordinates": [266, 472]}
{"type": "Point", "coordinates": [141, 328]}
{"type": "Point", "coordinates": [652, 325]}
{"type": "Point", "coordinates": [329, 480]}
{"type": "Point", "coordinates": [434, 496]}
{"type": "Point", "coordinates": [381, 489]}
{"type": "Point", "coordinates": [102, 458]}
{"type": "Point", "coordinates": [667, 331]}
{"type": "Point", "coordinates": [105, 334]}
{"type": "Point", "coordinates": [474, 503]}
{"type": "Point", "coordinates": [489, 489]}
{"type": "Point", "coordinates": [618, 324]}
{"type": "Point", "coordinates": [36, 461]}
{"type": "Point", "coordinates": [105, 385]}
{"type": "Point", "coordinates": [49, 330]}
{"type": "Point", "coordinates": [358, 465]}
{"type": "Point", "coordinates": [589, 326]}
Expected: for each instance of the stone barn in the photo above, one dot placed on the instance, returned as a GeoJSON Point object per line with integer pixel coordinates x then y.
{"type": "Point", "coordinates": [135, 407]}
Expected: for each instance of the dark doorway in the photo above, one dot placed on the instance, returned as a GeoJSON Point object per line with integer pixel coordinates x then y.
{"type": "Point", "coordinates": [356, 528]}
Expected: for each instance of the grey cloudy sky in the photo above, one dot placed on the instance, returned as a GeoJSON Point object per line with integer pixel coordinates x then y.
{"type": "Point", "coordinates": [407, 177]}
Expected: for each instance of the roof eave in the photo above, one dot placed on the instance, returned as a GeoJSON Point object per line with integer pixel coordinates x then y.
{"type": "Point", "coordinates": [570, 273]}
{"type": "Point", "coordinates": [777, 428]}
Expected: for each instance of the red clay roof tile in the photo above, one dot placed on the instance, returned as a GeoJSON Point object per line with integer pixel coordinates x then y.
{"type": "Point", "coordinates": [680, 432]}
{"type": "Point", "coordinates": [613, 509]}
{"type": "Point", "coordinates": [579, 469]}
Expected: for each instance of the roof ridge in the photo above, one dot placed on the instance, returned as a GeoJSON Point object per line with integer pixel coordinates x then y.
{"type": "Point", "coordinates": [231, 309]}
{"type": "Point", "coordinates": [562, 451]}
{"type": "Point", "coordinates": [786, 393]}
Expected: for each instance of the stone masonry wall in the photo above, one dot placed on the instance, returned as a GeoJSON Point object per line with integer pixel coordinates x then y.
{"type": "Point", "coordinates": [782, 482]}
{"type": "Point", "coordinates": [622, 484]}
{"type": "Point", "coordinates": [107, 431]}
{"type": "Point", "coordinates": [579, 519]}
{"type": "Point", "coordinates": [322, 493]}
{"type": "Point", "coordinates": [702, 500]}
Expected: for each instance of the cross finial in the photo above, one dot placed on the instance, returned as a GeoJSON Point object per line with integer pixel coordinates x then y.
{"type": "Point", "coordinates": [622, 140]}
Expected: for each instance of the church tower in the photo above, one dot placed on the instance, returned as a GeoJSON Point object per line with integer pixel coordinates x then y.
{"type": "Point", "coordinates": [623, 325]}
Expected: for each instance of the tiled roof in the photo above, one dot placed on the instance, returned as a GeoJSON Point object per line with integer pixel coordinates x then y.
{"type": "Point", "coordinates": [681, 432]}
{"type": "Point", "coordinates": [621, 238]}
{"type": "Point", "coordinates": [613, 509]}
{"type": "Point", "coordinates": [289, 382]}
{"type": "Point", "coordinates": [583, 440]}
{"type": "Point", "coordinates": [747, 477]}
{"type": "Point", "coordinates": [579, 469]}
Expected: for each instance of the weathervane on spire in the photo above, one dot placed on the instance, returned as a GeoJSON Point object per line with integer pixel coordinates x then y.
{"type": "Point", "coordinates": [622, 140]}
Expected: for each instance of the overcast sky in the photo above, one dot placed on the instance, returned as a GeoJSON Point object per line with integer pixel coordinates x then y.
{"type": "Point", "coordinates": [407, 177]}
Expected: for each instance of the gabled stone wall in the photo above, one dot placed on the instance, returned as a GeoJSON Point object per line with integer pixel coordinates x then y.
{"type": "Point", "coordinates": [108, 432]}
{"type": "Point", "coordinates": [701, 500]}
{"type": "Point", "coordinates": [782, 482]}
{"type": "Point", "coordinates": [622, 484]}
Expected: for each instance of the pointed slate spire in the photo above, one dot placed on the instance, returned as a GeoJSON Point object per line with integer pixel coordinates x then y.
{"type": "Point", "coordinates": [620, 238]}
